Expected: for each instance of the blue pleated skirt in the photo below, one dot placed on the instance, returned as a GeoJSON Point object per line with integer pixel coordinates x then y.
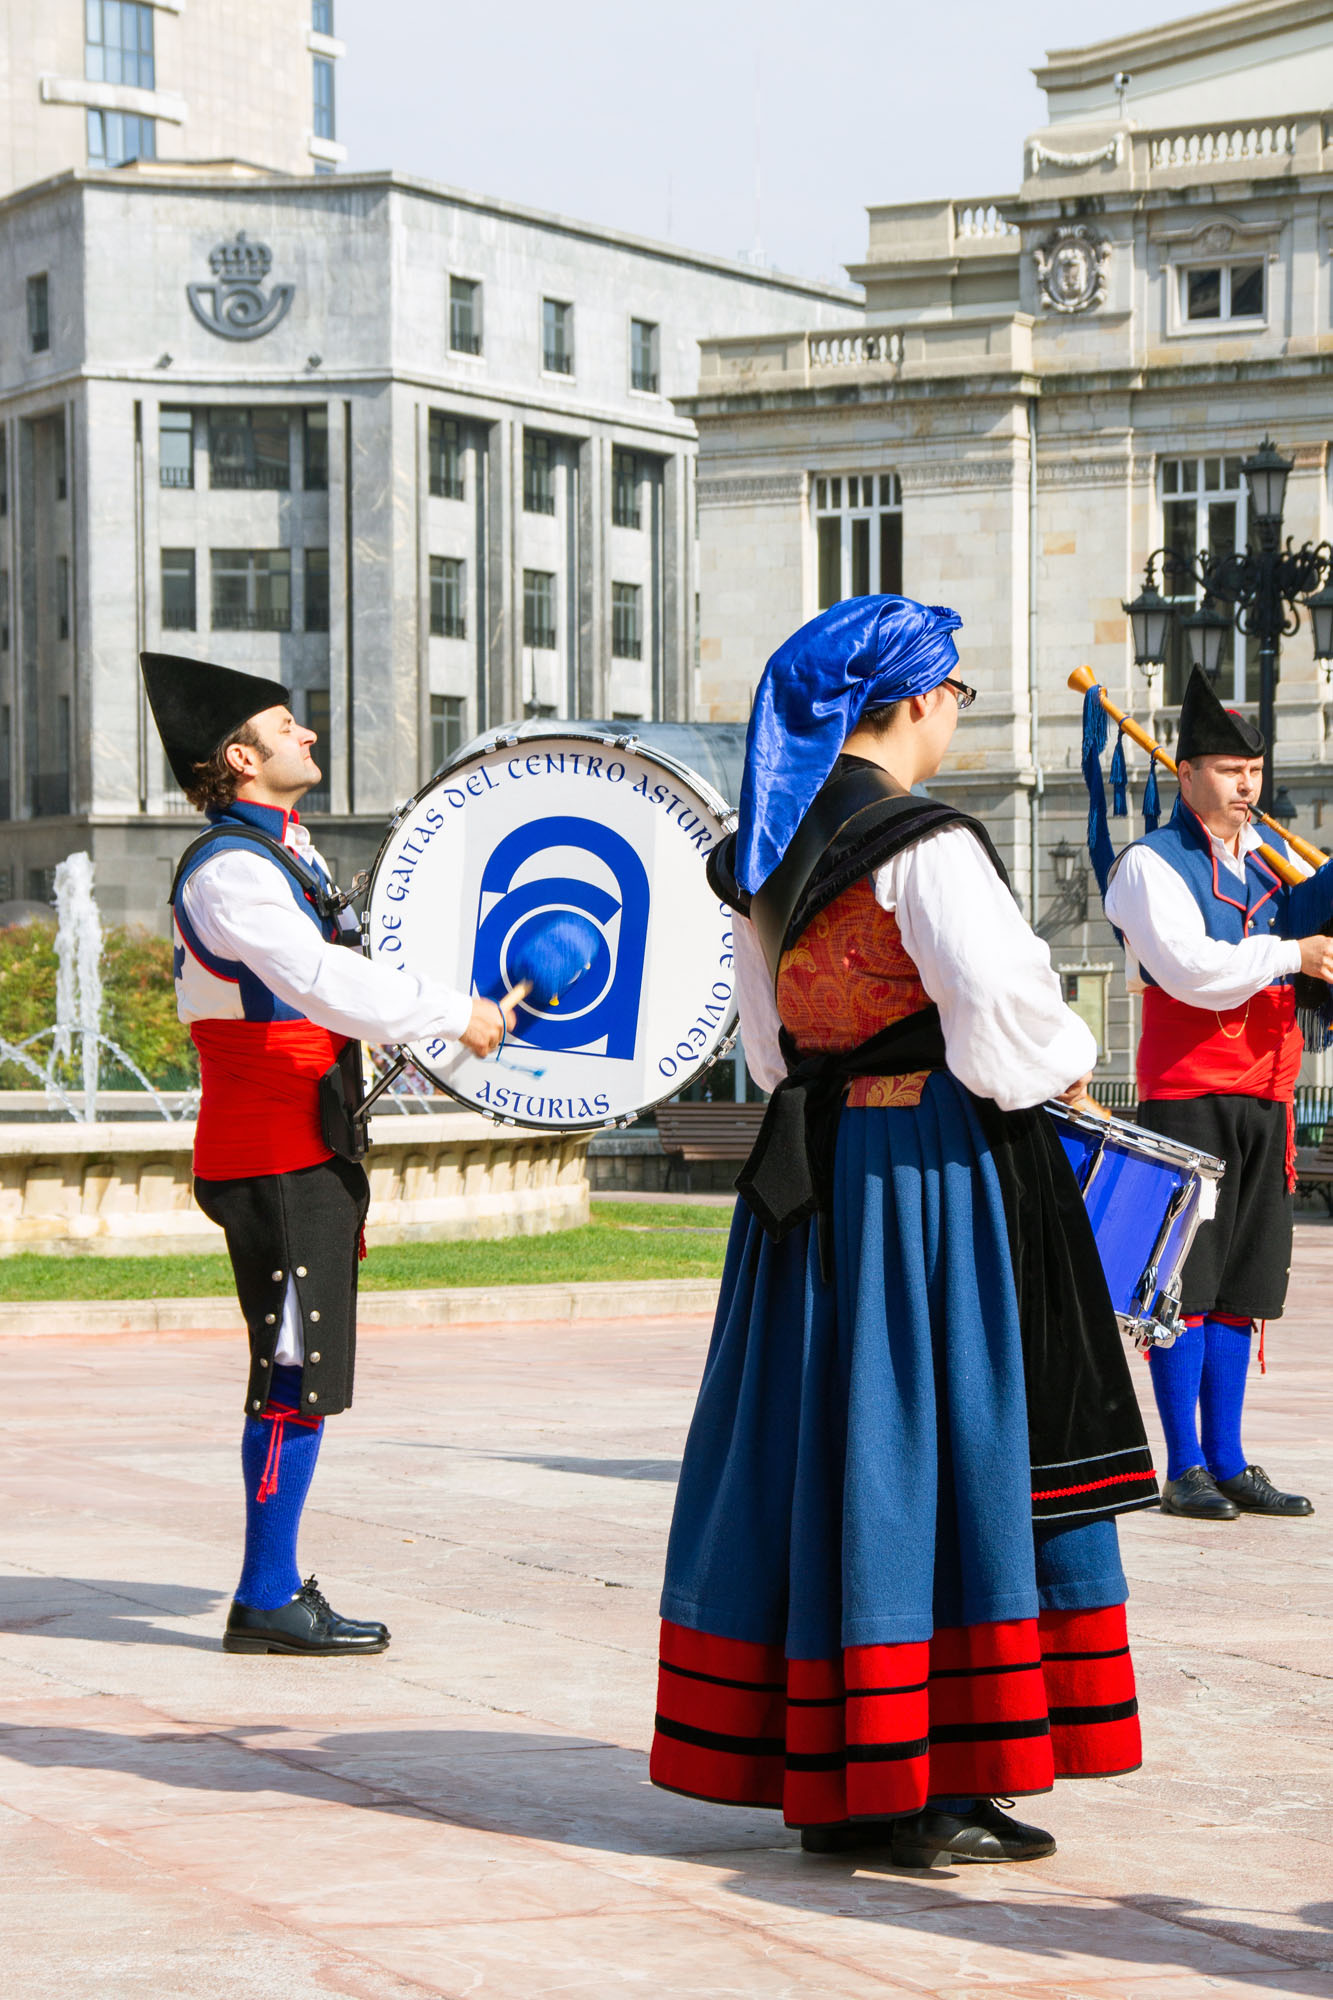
{"type": "Point", "coordinates": [857, 1471]}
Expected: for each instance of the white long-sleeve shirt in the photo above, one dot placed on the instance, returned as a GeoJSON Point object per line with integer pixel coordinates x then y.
{"type": "Point", "coordinates": [240, 906]}
{"type": "Point", "coordinates": [1008, 1034]}
{"type": "Point", "coordinates": [1163, 929]}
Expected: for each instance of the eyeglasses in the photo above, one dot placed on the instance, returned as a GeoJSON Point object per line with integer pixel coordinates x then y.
{"type": "Point", "coordinates": [966, 695]}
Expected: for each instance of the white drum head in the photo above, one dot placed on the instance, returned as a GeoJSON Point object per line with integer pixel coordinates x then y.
{"type": "Point", "coordinates": [565, 823]}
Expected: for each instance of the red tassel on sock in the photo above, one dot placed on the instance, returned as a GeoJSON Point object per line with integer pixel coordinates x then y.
{"type": "Point", "coordinates": [277, 1416]}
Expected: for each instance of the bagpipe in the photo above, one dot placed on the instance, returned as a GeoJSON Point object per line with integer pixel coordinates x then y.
{"type": "Point", "coordinates": [1314, 1000]}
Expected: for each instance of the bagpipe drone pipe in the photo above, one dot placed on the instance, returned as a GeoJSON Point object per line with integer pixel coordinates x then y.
{"type": "Point", "coordinates": [1314, 998]}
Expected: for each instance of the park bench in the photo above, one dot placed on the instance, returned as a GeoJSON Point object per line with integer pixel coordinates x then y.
{"type": "Point", "coordinates": [690, 1132]}
{"type": "Point", "coordinates": [1314, 1168]}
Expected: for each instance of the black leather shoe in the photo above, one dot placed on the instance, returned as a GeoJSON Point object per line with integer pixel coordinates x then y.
{"type": "Point", "coordinates": [1254, 1493]}
{"type": "Point", "coordinates": [984, 1834]}
{"type": "Point", "coordinates": [1196, 1495]}
{"type": "Point", "coordinates": [307, 1624]}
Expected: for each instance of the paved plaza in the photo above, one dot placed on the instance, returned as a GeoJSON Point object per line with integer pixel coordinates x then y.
{"type": "Point", "coordinates": [471, 1814]}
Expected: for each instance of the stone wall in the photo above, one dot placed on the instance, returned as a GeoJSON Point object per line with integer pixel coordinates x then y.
{"type": "Point", "coordinates": [124, 1190]}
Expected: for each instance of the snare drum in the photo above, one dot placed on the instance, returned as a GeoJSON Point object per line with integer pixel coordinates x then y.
{"type": "Point", "coordinates": [539, 823]}
{"type": "Point", "coordinates": [1145, 1197]}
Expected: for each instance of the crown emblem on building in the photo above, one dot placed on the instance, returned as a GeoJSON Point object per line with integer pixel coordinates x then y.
{"type": "Point", "coordinates": [234, 306]}
{"type": "Point", "coordinates": [242, 260]}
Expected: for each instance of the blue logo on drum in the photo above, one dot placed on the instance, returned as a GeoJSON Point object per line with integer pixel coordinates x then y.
{"type": "Point", "coordinates": [599, 1013]}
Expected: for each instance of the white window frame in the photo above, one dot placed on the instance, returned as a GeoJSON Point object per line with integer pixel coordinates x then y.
{"type": "Point", "coordinates": [825, 506]}
{"type": "Point", "coordinates": [1180, 275]}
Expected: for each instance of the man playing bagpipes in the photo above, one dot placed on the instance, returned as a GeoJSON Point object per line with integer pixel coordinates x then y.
{"type": "Point", "coordinates": [276, 1007]}
{"type": "Point", "coordinates": [1214, 939]}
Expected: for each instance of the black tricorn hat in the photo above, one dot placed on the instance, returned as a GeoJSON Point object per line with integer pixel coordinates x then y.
{"type": "Point", "coordinates": [197, 706]}
{"type": "Point", "coordinates": [1208, 729]}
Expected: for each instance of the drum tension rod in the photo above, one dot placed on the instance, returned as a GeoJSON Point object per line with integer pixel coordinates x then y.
{"type": "Point", "coordinates": [391, 1075]}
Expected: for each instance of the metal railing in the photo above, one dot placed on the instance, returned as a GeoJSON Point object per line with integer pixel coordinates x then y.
{"type": "Point", "coordinates": [271, 478]}
{"type": "Point", "coordinates": [178, 619]}
{"type": "Point", "coordinates": [447, 486]}
{"type": "Point", "coordinates": [556, 362]}
{"type": "Point", "coordinates": [541, 637]}
{"type": "Point", "coordinates": [175, 475]}
{"type": "Point", "coordinates": [447, 625]}
{"type": "Point", "coordinates": [234, 618]}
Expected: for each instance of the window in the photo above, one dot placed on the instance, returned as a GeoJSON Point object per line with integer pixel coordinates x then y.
{"type": "Point", "coordinates": [464, 316]}
{"type": "Point", "coordinates": [62, 597]}
{"type": "Point", "coordinates": [321, 16]}
{"type": "Point", "coordinates": [557, 337]}
{"type": "Point", "coordinates": [116, 137]}
{"type": "Point", "coordinates": [446, 457]}
{"type": "Point", "coordinates": [249, 448]}
{"type": "Point", "coordinates": [60, 453]}
{"type": "Point", "coordinates": [1204, 506]}
{"type": "Point", "coordinates": [643, 356]}
{"type": "Point", "coordinates": [179, 612]}
{"type": "Point", "coordinates": [323, 121]}
{"type": "Point", "coordinates": [1222, 291]}
{"type": "Point", "coordinates": [4, 610]}
{"type": "Point", "coordinates": [6, 766]}
{"type": "Point", "coordinates": [315, 450]}
{"type": "Point", "coordinates": [175, 447]}
{"type": "Point", "coordinates": [539, 463]}
{"type": "Point", "coordinates": [447, 583]}
{"type": "Point", "coordinates": [858, 536]}
{"type": "Point", "coordinates": [446, 727]}
{"type": "Point", "coordinates": [315, 703]}
{"type": "Point", "coordinates": [39, 314]}
{"type": "Point", "coordinates": [539, 608]}
{"type": "Point", "coordinates": [625, 512]}
{"type": "Point", "coordinates": [4, 472]}
{"type": "Point", "coordinates": [252, 590]}
{"type": "Point", "coordinates": [626, 621]}
{"type": "Point", "coordinates": [316, 590]}
{"type": "Point", "coordinates": [118, 43]}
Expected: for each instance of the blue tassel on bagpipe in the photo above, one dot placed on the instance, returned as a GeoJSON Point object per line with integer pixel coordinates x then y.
{"type": "Point", "coordinates": [1100, 851]}
{"type": "Point", "coordinates": [1119, 778]}
{"type": "Point", "coordinates": [1152, 804]}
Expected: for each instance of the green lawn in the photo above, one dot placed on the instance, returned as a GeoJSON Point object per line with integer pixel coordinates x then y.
{"type": "Point", "coordinates": [624, 1240]}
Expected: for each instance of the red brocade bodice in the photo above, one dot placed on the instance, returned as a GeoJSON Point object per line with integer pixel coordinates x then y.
{"type": "Point", "coordinates": [847, 976]}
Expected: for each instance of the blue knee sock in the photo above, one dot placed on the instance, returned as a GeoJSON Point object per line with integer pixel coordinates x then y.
{"type": "Point", "coordinates": [269, 1574]}
{"type": "Point", "coordinates": [1175, 1384]}
{"type": "Point", "coordinates": [1226, 1361]}
{"type": "Point", "coordinates": [962, 1807]}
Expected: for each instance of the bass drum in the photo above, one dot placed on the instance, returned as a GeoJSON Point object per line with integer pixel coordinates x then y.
{"type": "Point", "coordinates": [536, 825]}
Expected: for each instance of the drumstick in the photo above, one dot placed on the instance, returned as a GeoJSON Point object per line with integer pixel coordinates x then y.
{"type": "Point", "coordinates": [515, 994]}
{"type": "Point", "coordinates": [1083, 678]}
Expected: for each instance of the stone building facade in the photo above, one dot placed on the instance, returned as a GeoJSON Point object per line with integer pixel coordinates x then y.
{"type": "Point", "coordinates": [1046, 387]}
{"type": "Point", "coordinates": [410, 450]}
{"type": "Point", "coordinates": [101, 82]}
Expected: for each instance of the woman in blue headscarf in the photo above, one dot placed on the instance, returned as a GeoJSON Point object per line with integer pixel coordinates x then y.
{"type": "Point", "coordinates": [893, 1587]}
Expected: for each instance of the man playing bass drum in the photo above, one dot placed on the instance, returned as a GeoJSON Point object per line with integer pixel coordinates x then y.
{"type": "Point", "coordinates": [1213, 941]}
{"type": "Point", "coordinates": [274, 1002]}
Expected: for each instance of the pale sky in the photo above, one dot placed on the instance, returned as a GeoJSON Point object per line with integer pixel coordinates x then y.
{"type": "Point", "coordinates": [643, 118]}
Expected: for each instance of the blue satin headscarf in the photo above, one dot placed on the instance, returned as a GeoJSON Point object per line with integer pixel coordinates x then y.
{"type": "Point", "coordinates": [863, 653]}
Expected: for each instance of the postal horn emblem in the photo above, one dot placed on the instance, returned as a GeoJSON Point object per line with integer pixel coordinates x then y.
{"type": "Point", "coordinates": [234, 305]}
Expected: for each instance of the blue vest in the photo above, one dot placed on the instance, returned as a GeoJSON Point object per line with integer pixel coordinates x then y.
{"type": "Point", "coordinates": [210, 987]}
{"type": "Point", "coordinates": [1232, 910]}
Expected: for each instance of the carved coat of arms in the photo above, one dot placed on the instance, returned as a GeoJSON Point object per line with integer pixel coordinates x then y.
{"type": "Point", "coordinates": [1072, 267]}
{"type": "Point", "coordinates": [234, 305]}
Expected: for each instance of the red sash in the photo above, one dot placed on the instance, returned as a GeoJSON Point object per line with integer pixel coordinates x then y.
{"type": "Point", "coordinates": [1249, 1051]}
{"type": "Point", "coordinates": [259, 1101]}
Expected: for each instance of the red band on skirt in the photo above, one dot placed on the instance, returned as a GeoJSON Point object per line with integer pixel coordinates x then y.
{"type": "Point", "coordinates": [978, 1710]}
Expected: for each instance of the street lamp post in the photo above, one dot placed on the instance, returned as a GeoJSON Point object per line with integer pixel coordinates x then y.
{"type": "Point", "coordinates": [1262, 588]}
